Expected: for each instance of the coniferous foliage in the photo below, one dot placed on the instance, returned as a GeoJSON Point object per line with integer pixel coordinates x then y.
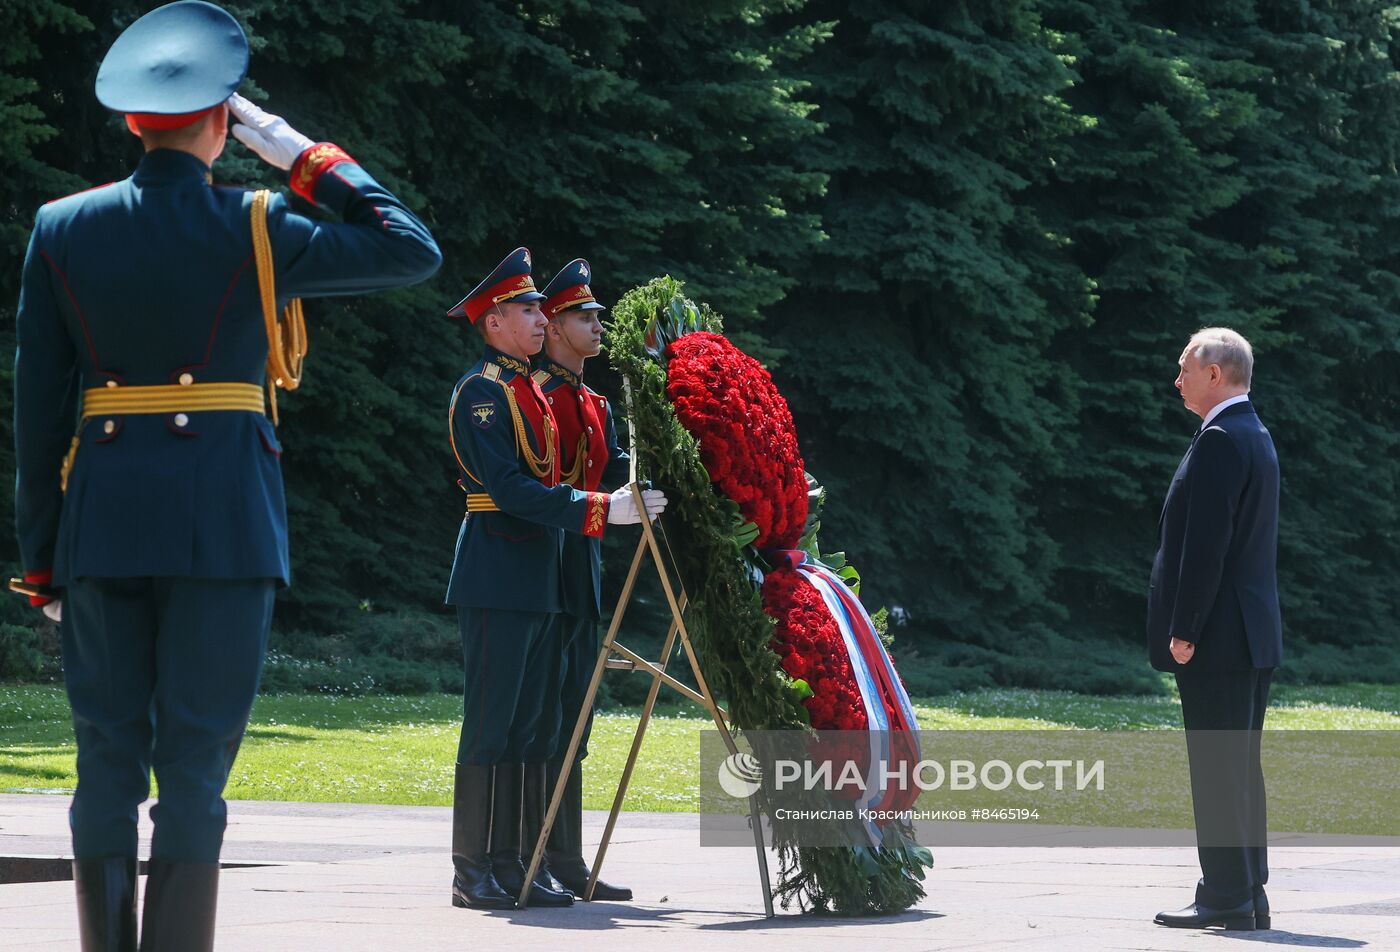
{"type": "Point", "coordinates": [970, 240]}
{"type": "Point", "coordinates": [1239, 170]}
{"type": "Point", "coordinates": [919, 361]}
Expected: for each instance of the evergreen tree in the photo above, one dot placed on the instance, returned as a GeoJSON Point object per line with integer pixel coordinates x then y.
{"type": "Point", "coordinates": [1240, 171]}
{"type": "Point", "coordinates": [1134, 196]}
{"type": "Point", "coordinates": [917, 340]}
{"type": "Point", "coordinates": [564, 127]}
{"type": "Point", "coordinates": [970, 239]}
{"type": "Point", "coordinates": [30, 95]}
{"type": "Point", "coordinates": [648, 138]}
{"type": "Point", "coordinates": [1325, 201]}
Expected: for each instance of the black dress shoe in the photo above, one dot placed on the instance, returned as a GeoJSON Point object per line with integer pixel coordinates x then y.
{"type": "Point", "coordinates": [1262, 919]}
{"type": "Point", "coordinates": [1196, 916]}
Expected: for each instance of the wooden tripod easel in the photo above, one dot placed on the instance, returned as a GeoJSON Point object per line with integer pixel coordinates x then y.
{"type": "Point", "coordinates": [629, 660]}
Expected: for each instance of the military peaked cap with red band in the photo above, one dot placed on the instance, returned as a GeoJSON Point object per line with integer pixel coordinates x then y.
{"type": "Point", "coordinates": [174, 65]}
{"type": "Point", "coordinates": [510, 281]}
{"type": "Point", "coordinates": [569, 289]}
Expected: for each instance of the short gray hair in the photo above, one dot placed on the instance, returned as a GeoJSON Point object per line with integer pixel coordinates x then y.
{"type": "Point", "coordinates": [1229, 349]}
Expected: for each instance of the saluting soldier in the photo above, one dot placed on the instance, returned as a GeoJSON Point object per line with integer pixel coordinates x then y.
{"type": "Point", "coordinates": [589, 458]}
{"type": "Point", "coordinates": [140, 318]}
{"type": "Point", "coordinates": [506, 587]}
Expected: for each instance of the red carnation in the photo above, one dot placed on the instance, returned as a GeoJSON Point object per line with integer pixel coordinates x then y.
{"type": "Point", "coordinates": [748, 443]}
{"type": "Point", "coordinates": [809, 641]}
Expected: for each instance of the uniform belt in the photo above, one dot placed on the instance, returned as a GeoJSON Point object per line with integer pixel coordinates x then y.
{"type": "Point", "coordinates": [481, 502]}
{"type": "Point", "coordinates": [172, 398]}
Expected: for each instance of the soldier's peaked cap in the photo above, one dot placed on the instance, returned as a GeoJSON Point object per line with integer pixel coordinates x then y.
{"type": "Point", "coordinates": [510, 281]}
{"type": "Point", "coordinates": [569, 289]}
{"type": "Point", "coordinates": [174, 64]}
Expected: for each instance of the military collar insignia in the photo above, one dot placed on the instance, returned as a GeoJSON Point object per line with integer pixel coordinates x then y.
{"type": "Point", "coordinates": [563, 373]}
{"type": "Point", "coordinates": [507, 362]}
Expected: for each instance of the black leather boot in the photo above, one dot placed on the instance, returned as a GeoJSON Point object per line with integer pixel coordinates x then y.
{"type": "Point", "coordinates": [106, 903]}
{"type": "Point", "coordinates": [507, 817]}
{"type": "Point", "coordinates": [178, 913]}
{"type": "Point", "coordinates": [536, 805]}
{"type": "Point", "coordinates": [473, 885]}
{"type": "Point", "coordinates": [566, 842]}
{"type": "Point", "coordinates": [1262, 918]}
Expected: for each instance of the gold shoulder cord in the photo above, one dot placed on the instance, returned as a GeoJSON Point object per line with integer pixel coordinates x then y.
{"type": "Point", "coordinates": [541, 466]}
{"type": "Point", "coordinates": [286, 339]}
{"type": "Point", "coordinates": [574, 476]}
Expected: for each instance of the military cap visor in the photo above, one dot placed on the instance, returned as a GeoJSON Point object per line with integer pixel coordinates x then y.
{"type": "Point", "coordinates": [181, 58]}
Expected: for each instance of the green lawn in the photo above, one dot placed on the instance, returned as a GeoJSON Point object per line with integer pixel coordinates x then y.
{"type": "Point", "coordinates": [396, 749]}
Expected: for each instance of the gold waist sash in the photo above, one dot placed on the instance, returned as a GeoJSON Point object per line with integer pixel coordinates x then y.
{"type": "Point", "coordinates": [172, 398]}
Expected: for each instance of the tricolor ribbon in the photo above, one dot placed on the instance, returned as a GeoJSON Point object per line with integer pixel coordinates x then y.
{"type": "Point", "coordinates": [893, 727]}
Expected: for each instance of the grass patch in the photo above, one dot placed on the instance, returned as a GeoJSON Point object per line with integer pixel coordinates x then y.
{"type": "Point", "coordinates": [401, 749]}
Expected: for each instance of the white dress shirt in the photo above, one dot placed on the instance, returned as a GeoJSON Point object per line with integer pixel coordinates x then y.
{"type": "Point", "coordinates": [1216, 410]}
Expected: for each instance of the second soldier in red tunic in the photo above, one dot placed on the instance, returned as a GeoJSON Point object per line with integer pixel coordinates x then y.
{"type": "Point", "coordinates": [590, 458]}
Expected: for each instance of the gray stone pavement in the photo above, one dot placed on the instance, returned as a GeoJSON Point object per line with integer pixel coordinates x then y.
{"type": "Point", "coordinates": [348, 877]}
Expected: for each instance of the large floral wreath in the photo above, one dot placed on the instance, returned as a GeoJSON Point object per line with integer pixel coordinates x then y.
{"type": "Point", "coordinates": [778, 624]}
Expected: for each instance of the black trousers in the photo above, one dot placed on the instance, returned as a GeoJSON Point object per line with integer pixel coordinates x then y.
{"type": "Point", "coordinates": [1224, 716]}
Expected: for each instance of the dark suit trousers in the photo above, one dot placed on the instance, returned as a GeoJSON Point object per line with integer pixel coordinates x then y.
{"type": "Point", "coordinates": [1224, 714]}
{"type": "Point", "coordinates": [161, 674]}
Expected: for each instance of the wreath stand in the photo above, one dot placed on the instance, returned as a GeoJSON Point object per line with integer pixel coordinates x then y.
{"type": "Point", "coordinates": [628, 660]}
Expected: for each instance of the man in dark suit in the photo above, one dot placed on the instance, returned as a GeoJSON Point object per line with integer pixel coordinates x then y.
{"type": "Point", "coordinates": [1213, 621]}
{"type": "Point", "coordinates": [160, 521]}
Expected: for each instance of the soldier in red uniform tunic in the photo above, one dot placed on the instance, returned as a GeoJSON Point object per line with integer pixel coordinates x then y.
{"type": "Point", "coordinates": [507, 589]}
{"type": "Point", "coordinates": [589, 457]}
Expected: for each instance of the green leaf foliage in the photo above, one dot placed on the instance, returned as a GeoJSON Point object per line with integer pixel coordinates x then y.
{"type": "Point", "coordinates": [969, 240]}
{"type": "Point", "coordinates": [725, 617]}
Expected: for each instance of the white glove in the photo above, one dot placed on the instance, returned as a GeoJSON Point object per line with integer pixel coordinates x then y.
{"type": "Point", "coordinates": [275, 142]}
{"type": "Point", "coordinates": [54, 610]}
{"type": "Point", "coordinates": [622, 506]}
